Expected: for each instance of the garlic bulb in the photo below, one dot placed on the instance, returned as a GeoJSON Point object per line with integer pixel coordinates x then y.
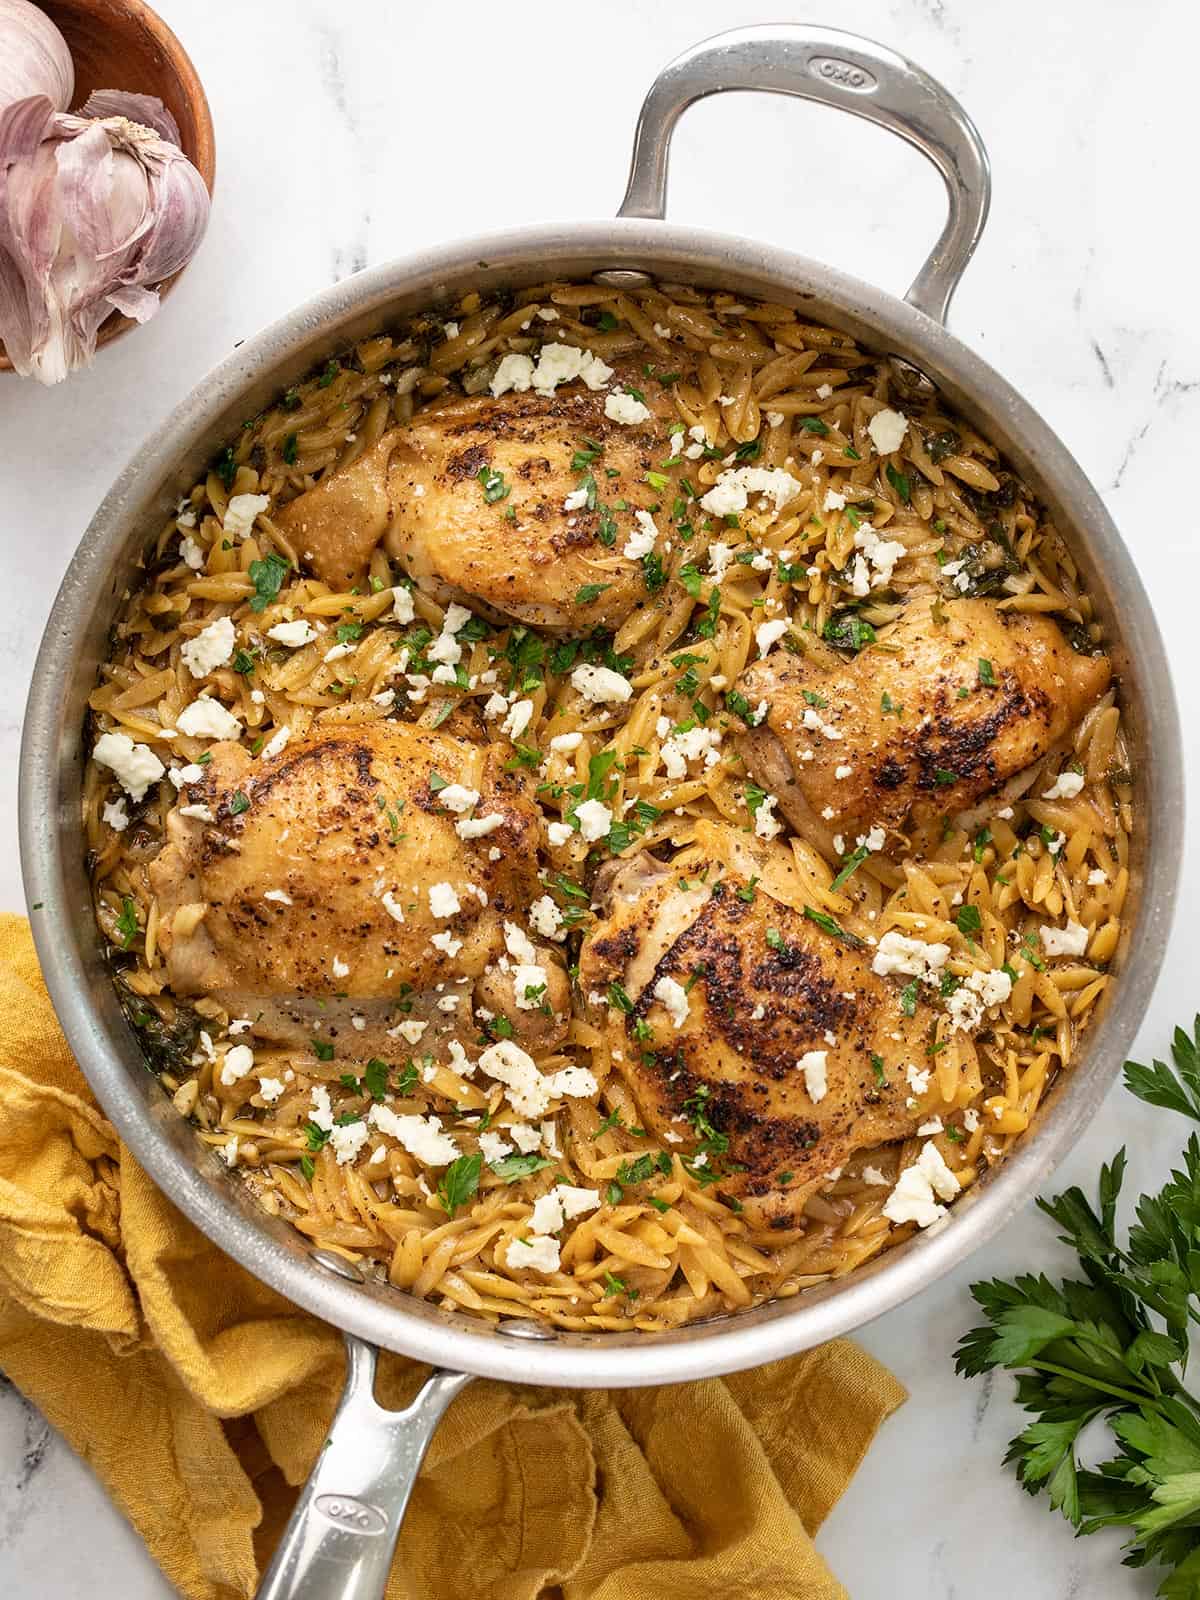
{"type": "Point", "coordinates": [96, 209]}
{"type": "Point", "coordinates": [34, 58]}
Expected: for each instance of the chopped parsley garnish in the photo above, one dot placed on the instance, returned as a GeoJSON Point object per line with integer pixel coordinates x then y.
{"type": "Point", "coordinates": [849, 866]}
{"type": "Point", "coordinates": [589, 592]}
{"type": "Point", "coordinates": [494, 486]}
{"type": "Point", "coordinates": [736, 702]}
{"type": "Point", "coordinates": [617, 996]}
{"type": "Point", "coordinates": [307, 1167]}
{"type": "Point", "coordinates": [376, 1078]}
{"type": "Point", "coordinates": [267, 577]}
{"type": "Point", "coordinates": [813, 425]}
{"type": "Point", "coordinates": [243, 662]}
{"type": "Point", "coordinates": [986, 675]}
{"type": "Point", "coordinates": [943, 775]}
{"type": "Point", "coordinates": [332, 368]}
{"type": "Point", "coordinates": [459, 1183]}
{"type": "Point", "coordinates": [238, 802]}
{"type": "Point", "coordinates": [289, 450]}
{"type": "Point", "coordinates": [878, 1069]}
{"type": "Point", "coordinates": [322, 1049]}
{"type": "Point", "coordinates": [127, 922]}
{"type": "Point", "coordinates": [513, 1168]}
{"type": "Point", "coordinates": [315, 1136]}
{"type": "Point", "coordinates": [848, 631]}
{"type": "Point", "coordinates": [899, 481]}
{"type": "Point", "coordinates": [908, 997]}
{"type": "Point", "coordinates": [225, 467]}
{"type": "Point", "coordinates": [968, 921]}
{"type": "Point", "coordinates": [831, 926]}
{"type": "Point", "coordinates": [888, 706]}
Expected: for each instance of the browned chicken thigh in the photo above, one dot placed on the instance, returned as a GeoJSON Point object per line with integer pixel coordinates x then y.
{"type": "Point", "coordinates": [517, 503]}
{"type": "Point", "coordinates": [940, 712]}
{"type": "Point", "coordinates": [733, 1008]}
{"type": "Point", "coordinates": [363, 873]}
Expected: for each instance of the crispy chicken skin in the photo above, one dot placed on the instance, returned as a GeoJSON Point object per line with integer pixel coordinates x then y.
{"type": "Point", "coordinates": [755, 1010]}
{"type": "Point", "coordinates": [936, 750]}
{"type": "Point", "coordinates": [521, 554]}
{"type": "Point", "coordinates": [285, 910]}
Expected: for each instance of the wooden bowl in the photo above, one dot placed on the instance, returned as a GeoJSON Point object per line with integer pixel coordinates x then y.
{"type": "Point", "coordinates": [122, 44]}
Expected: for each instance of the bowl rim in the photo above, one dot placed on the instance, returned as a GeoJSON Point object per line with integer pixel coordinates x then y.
{"type": "Point", "coordinates": [50, 775]}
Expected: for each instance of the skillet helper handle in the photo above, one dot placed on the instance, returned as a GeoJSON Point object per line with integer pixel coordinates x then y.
{"type": "Point", "coordinates": [838, 69]}
{"type": "Point", "coordinates": [341, 1538]}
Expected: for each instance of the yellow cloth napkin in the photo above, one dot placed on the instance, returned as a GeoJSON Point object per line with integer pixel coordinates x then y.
{"type": "Point", "coordinates": [200, 1397]}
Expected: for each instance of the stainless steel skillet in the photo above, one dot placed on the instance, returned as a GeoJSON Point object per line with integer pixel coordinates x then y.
{"type": "Point", "coordinates": [341, 1539]}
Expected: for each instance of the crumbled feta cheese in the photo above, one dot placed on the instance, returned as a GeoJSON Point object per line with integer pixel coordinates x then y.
{"type": "Point", "coordinates": [887, 429]}
{"type": "Point", "coordinates": [211, 648]}
{"type": "Point", "coordinates": [546, 918]}
{"type": "Point", "coordinates": [673, 997]}
{"type": "Point", "coordinates": [293, 634]}
{"type": "Point", "coordinates": [241, 512]}
{"type": "Point", "coordinates": [270, 1089]}
{"type": "Point", "coordinates": [402, 603]}
{"type": "Point", "coordinates": [443, 902]}
{"type": "Point", "coordinates": [576, 1082]}
{"type": "Point", "coordinates": [575, 1200]}
{"type": "Point", "coordinates": [1095, 877]}
{"type": "Point", "coordinates": [191, 552]}
{"type": "Point", "coordinates": [479, 827]}
{"type": "Point", "coordinates": [577, 499]}
{"type": "Point", "coordinates": [693, 743]}
{"type": "Point", "coordinates": [411, 1030]}
{"type": "Point", "coordinates": [874, 1176]}
{"type": "Point", "coordinates": [843, 772]}
{"type": "Point", "coordinates": [564, 743]}
{"type": "Point", "coordinates": [458, 798]}
{"type": "Point", "coordinates": [594, 818]}
{"type": "Point", "coordinates": [765, 824]}
{"type": "Point", "coordinates": [971, 1119]}
{"type": "Point", "coordinates": [520, 715]}
{"type": "Point", "coordinates": [547, 1213]}
{"type": "Point", "coordinates": [321, 1111]}
{"type": "Point", "coordinates": [340, 968]}
{"type": "Point", "coordinates": [229, 1152]}
{"type": "Point", "coordinates": [719, 557]}
{"type": "Point", "coordinates": [529, 1093]}
{"type": "Point", "coordinates": [278, 896]}
{"type": "Point", "coordinates": [877, 561]}
{"type": "Point", "coordinates": [601, 685]}
{"type": "Point", "coordinates": [814, 1065]}
{"type": "Point", "coordinates": [446, 942]}
{"type": "Point", "coordinates": [526, 1139]}
{"type": "Point", "coordinates": [494, 1148]}
{"type": "Point", "coordinates": [896, 953]}
{"type": "Point", "coordinates": [208, 719]}
{"type": "Point", "coordinates": [518, 943]}
{"type": "Point", "coordinates": [933, 1126]}
{"type": "Point", "coordinates": [558, 833]}
{"type": "Point", "coordinates": [276, 743]}
{"type": "Point", "coordinates": [769, 633]}
{"type": "Point", "coordinates": [1065, 787]}
{"type": "Point", "coordinates": [392, 906]}
{"type": "Point", "coordinates": [115, 815]}
{"type": "Point", "coordinates": [833, 500]}
{"type": "Point", "coordinates": [529, 986]}
{"type": "Point", "coordinates": [514, 372]}
{"type": "Point", "coordinates": [562, 363]}
{"type": "Point", "coordinates": [621, 407]}
{"type": "Point", "coordinates": [135, 766]}
{"type": "Point", "coordinates": [346, 1139]}
{"type": "Point", "coordinates": [422, 1137]}
{"type": "Point", "coordinates": [237, 1063]}
{"type": "Point", "coordinates": [732, 490]}
{"type": "Point", "coordinates": [198, 812]}
{"type": "Point", "coordinates": [913, 1198]}
{"type": "Point", "coordinates": [1069, 941]}
{"type": "Point", "coordinates": [775, 419]}
{"type": "Point", "coordinates": [641, 542]}
{"type": "Point", "coordinates": [540, 1254]}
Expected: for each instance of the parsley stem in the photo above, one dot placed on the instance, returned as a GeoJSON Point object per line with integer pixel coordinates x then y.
{"type": "Point", "coordinates": [1098, 1384]}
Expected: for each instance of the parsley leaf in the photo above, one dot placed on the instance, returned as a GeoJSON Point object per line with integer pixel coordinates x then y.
{"type": "Point", "coordinates": [267, 577]}
{"type": "Point", "coordinates": [459, 1183]}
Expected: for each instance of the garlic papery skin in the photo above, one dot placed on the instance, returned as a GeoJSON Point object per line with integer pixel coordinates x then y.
{"type": "Point", "coordinates": [34, 58]}
{"type": "Point", "coordinates": [95, 212]}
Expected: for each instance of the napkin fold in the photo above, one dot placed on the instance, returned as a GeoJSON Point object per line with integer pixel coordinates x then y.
{"type": "Point", "coordinates": [200, 1397]}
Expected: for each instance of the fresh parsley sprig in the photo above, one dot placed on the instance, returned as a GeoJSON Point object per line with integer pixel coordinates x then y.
{"type": "Point", "coordinates": [1113, 1344]}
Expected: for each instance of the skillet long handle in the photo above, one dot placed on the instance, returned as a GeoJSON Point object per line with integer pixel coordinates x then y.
{"type": "Point", "coordinates": [341, 1538]}
{"type": "Point", "coordinates": [848, 72]}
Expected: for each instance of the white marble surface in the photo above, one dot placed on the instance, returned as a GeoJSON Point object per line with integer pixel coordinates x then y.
{"type": "Point", "coordinates": [351, 134]}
